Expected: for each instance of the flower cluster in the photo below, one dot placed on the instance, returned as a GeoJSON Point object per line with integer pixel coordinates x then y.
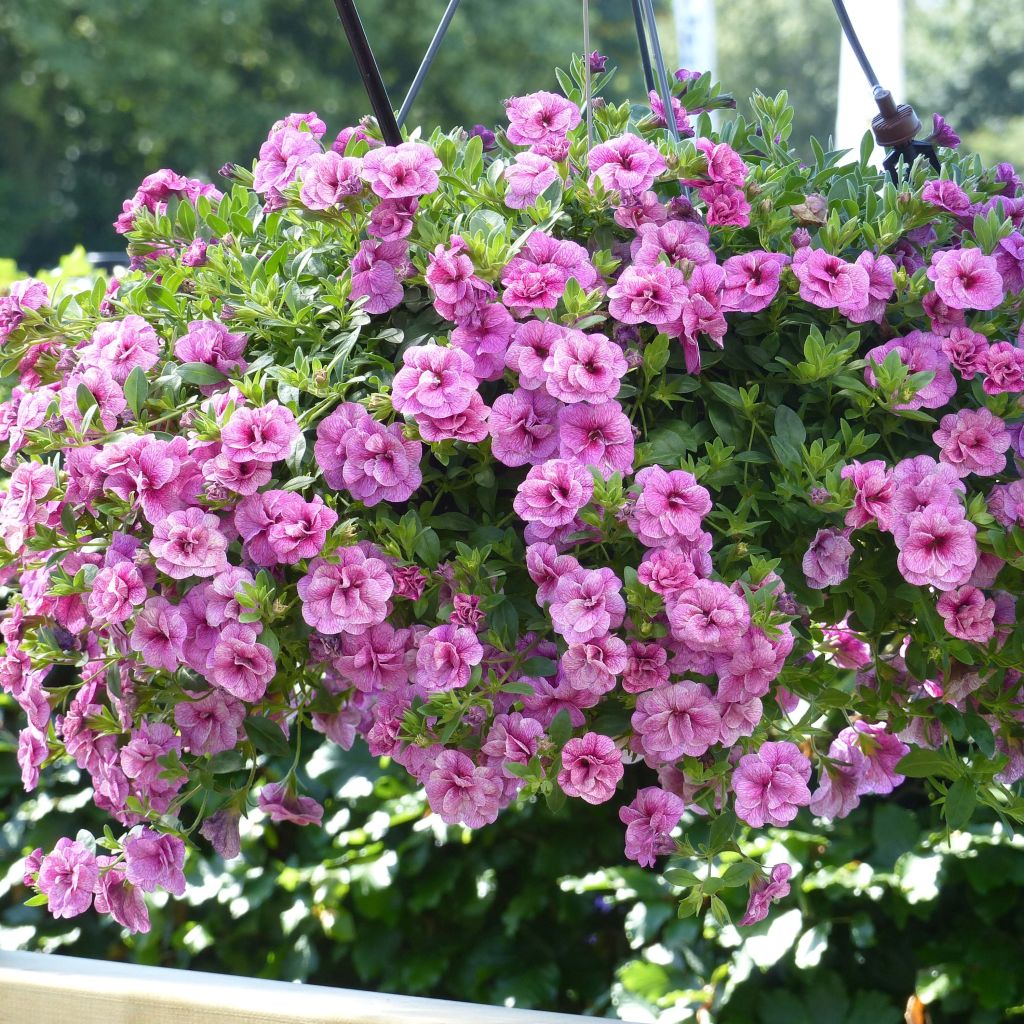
{"type": "Point", "coordinates": [543, 470]}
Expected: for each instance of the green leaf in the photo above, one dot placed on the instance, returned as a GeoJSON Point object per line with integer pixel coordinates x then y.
{"type": "Point", "coordinates": [520, 771]}
{"type": "Point", "coordinates": [789, 427]}
{"type": "Point", "coordinates": [39, 900]}
{"type": "Point", "coordinates": [428, 548]}
{"type": "Point", "coordinates": [739, 874]}
{"type": "Point", "coordinates": [961, 799]}
{"type": "Point", "coordinates": [921, 764]}
{"type": "Point", "coordinates": [560, 729]}
{"type": "Point", "coordinates": [538, 666]}
{"type": "Point", "coordinates": [681, 877]}
{"type": "Point", "coordinates": [266, 736]}
{"type": "Point", "coordinates": [136, 390]}
{"type": "Point", "coordinates": [85, 399]}
{"type": "Point", "coordinates": [200, 374]}
{"type": "Point", "coordinates": [656, 356]}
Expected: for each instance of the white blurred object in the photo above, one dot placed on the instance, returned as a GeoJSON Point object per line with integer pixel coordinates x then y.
{"type": "Point", "coordinates": [695, 34]}
{"type": "Point", "coordinates": [879, 26]}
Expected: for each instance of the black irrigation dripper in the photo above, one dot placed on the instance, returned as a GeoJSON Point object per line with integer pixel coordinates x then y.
{"type": "Point", "coordinates": [895, 127]}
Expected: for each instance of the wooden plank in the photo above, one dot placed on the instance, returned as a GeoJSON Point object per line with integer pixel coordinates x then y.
{"type": "Point", "coordinates": [36, 988]}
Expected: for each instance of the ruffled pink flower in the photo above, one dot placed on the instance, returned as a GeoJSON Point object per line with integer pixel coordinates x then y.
{"type": "Point", "coordinates": [33, 751]}
{"type": "Point", "coordinates": [329, 179]}
{"type": "Point", "coordinates": [827, 561]}
{"type": "Point", "coordinates": [331, 435]}
{"type": "Point", "coordinates": [529, 287]}
{"type": "Point", "coordinates": [939, 549]}
{"type": "Point", "coordinates": [880, 288]}
{"type": "Point", "coordinates": [470, 425]}
{"type": "Point", "coordinates": [392, 219]}
{"type": "Point", "coordinates": [584, 368]}
{"type": "Point", "coordinates": [591, 768]}
{"type": "Point", "coordinates": [626, 164]}
{"type": "Point", "coordinates": [446, 656]}
{"type": "Point", "coordinates": [546, 567]}
{"type": "Point", "coordinates": [597, 435]}
{"type": "Point", "coordinates": [210, 342]}
{"type": "Point", "coordinates": [946, 195]}
{"type": "Point", "coordinates": [587, 604]}
{"type": "Point", "coordinates": [512, 739]}
{"type": "Point", "coordinates": [532, 342]}
{"type": "Point", "coordinates": [122, 345]}
{"type": "Point", "coordinates": [283, 804]}
{"type": "Point", "coordinates": [106, 393]}
{"type": "Point", "coordinates": [874, 494]}
{"type": "Point", "coordinates": [540, 118]}
{"type": "Point", "coordinates": [240, 665]}
{"type": "Point", "coordinates": [524, 427]}
{"type": "Point", "coordinates": [943, 318]}
{"type": "Point", "coordinates": [708, 616]}
{"type": "Point", "coordinates": [210, 724]}
{"type": "Point", "coordinates": [457, 289]}
{"type": "Point", "coordinates": [158, 634]}
{"type": "Point", "coordinates": [752, 280]}
{"type": "Point", "coordinates": [377, 272]}
{"type": "Point", "coordinates": [764, 892]}
{"type": "Point", "coordinates": [527, 178]}
{"type": "Point", "coordinates": [460, 792]}
{"type": "Point", "coordinates": [667, 571]}
{"type": "Point", "coordinates": [726, 206]}
{"type": "Point", "coordinates": [1009, 256]}
{"type": "Point", "coordinates": [880, 752]}
{"type": "Point", "coordinates": [433, 380]}
{"type": "Point", "coordinates": [967, 614]}
{"type": "Point", "coordinates": [553, 493]}
{"type": "Point", "coordinates": [189, 543]}
{"type": "Point", "coordinates": [966, 350]}
{"type": "Point", "coordinates": [593, 665]}
{"type": "Point", "coordinates": [264, 433]}
{"type": "Point", "coordinates": [1003, 369]}
{"type": "Point", "coordinates": [567, 258]}
{"type": "Point", "coordinates": [381, 463]}
{"type": "Point", "coordinates": [670, 507]}
{"type": "Point", "coordinates": [376, 660]}
{"type": "Point", "coordinates": [646, 667]}
{"type": "Point", "coordinates": [68, 877]}
{"type": "Point", "coordinates": [282, 157]}
{"type": "Point", "coordinates": [973, 441]}
{"type": "Point", "coordinates": [121, 900]}
{"type": "Point", "coordinates": [683, 125]}
{"type": "Point", "coordinates": [651, 295]}
{"type": "Point", "coordinates": [830, 282]}
{"type": "Point", "coordinates": [676, 239]}
{"type": "Point", "coordinates": [649, 820]}
{"type": "Point", "coordinates": [771, 785]}
{"type": "Point", "coordinates": [282, 527]}
{"type": "Point", "coordinates": [920, 352]}
{"type": "Point", "coordinates": [675, 721]}
{"type": "Point", "coordinates": [397, 172]}
{"type": "Point", "coordinates": [484, 336]}
{"type": "Point", "coordinates": [117, 590]}
{"type": "Point", "coordinates": [349, 596]}
{"type": "Point", "coordinates": [154, 861]}
{"type": "Point", "coordinates": [966, 279]}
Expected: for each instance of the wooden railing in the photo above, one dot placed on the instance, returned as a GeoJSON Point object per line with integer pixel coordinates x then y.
{"type": "Point", "coordinates": [36, 988]}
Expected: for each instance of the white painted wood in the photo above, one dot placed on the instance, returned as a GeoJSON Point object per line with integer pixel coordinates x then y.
{"type": "Point", "coordinates": [36, 988]}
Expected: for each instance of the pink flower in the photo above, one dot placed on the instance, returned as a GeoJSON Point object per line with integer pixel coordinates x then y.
{"type": "Point", "coordinates": [117, 590]}
{"type": "Point", "coordinates": [726, 205]}
{"type": "Point", "coordinates": [377, 271]}
{"type": "Point", "coordinates": [764, 892]}
{"type": "Point", "coordinates": [649, 821]}
{"type": "Point", "coordinates": [381, 463]}
{"type": "Point", "coordinates": [873, 498]}
{"type": "Point", "coordinates": [122, 345]}
{"type": "Point", "coordinates": [33, 751]}
{"type": "Point", "coordinates": [676, 239]}
{"type": "Point", "coordinates": [529, 286]}
{"type": "Point", "coordinates": [158, 634]}
{"type": "Point", "coordinates": [939, 549]}
{"type": "Point", "coordinates": [670, 507]}
{"type": "Point", "coordinates": [827, 561]}
{"type": "Point", "coordinates": [752, 280]}
{"type": "Point", "coordinates": [511, 739]}
{"type": "Point", "coordinates": [594, 664]}
{"type": "Point", "coordinates": [189, 543]}
{"type": "Point", "coordinates": [396, 172]}
{"type": "Point", "coordinates": [210, 342]}
{"type": "Point", "coordinates": [1003, 369]}
{"type": "Point", "coordinates": [553, 493]}
{"type": "Point", "coordinates": [946, 195]}
{"type": "Point", "coordinates": [433, 380]}
{"type": "Point", "coordinates": [546, 567]}
{"type": "Point", "coordinates": [880, 288]}
{"type": "Point", "coordinates": [771, 785]}
{"type": "Point", "coordinates": [264, 433]}
{"type": "Point", "coordinates": [527, 178]}
{"type": "Point", "coordinates": [708, 616]}
{"type": "Point", "coordinates": [966, 279]}
{"type": "Point", "coordinates": [596, 435]}
{"type": "Point", "coordinates": [460, 792]}
{"type": "Point", "coordinates": [446, 657]}
{"type": "Point", "coordinates": [667, 571]}
{"type": "Point", "coordinates": [282, 157]}
{"type": "Point", "coordinates": [584, 368]}
{"type": "Point", "coordinates": [540, 118]}
{"type": "Point", "coordinates": [652, 295]}
{"type": "Point", "coordinates": [725, 165]}
{"type": "Point", "coordinates": [919, 352]}
{"type": "Point", "coordinates": [347, 597]}
{"type": "Point", "coordinates": [457, 289]}
{"type": "Point", "coordinates": [532, 342]}
{"type": "Point", "coordinates": [973, 441]}
{"type": "Point", "coordinates": [122, 901]}
{"type": "Point", "coordinates": [921, 483]}
{"type": "Point", "coordinates": [942, 318]}
{"type": "Point", "coordinates": [331, 435]}
{"type": "Point", "coordinates": [587, 604]}
{"type": "Point", "coordinates": [967, 614]}
{"type": "Point", "coordinates": [392, 219]}
{"type": "Point", "coordinates": [1009, 256]}
{"type": "Point", "coordinates": [626, 164]}
{"type": "Point", "coordinates": [591, 768]}
{"type": "Point", "coordinates": [283, 804]}
{"type": "Point", "coordinates": [469, 425]}
{"type": "Point", "coordinates": [484, 336]}
{"type": "Point", "coordinates": [524, 427]}
{"type": "Point", "coordinates": [966, 350]}
{"type": "Point", "coordinates": [678, 113]}
{"type": "Point", "coordinates": [210, 724]}
{"type": "Point", "coordinates": [68, 876]}
{"type": "Point", "coordinates": [155, 860]}
{"type": "Point", "coordinates": [329, 179]}
{"type": "Point", "coordinates": [376, 660]}
{"type": "Point", "coordinates": [240, 665]}
{"type": "Point", "coordinates": [880, 752]}
{"type": "Point", "coordinates": [676, 720]}
{"type": "Point", "coordinates": [106, 393]}
{"type": "Point", "coordinates": [646, 667]}
{"type": "Point", "coordinates": [829, 282]}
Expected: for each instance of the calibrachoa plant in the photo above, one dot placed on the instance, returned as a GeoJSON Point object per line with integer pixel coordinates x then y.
{"type": "Point", "coordinates": [545, 466]}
